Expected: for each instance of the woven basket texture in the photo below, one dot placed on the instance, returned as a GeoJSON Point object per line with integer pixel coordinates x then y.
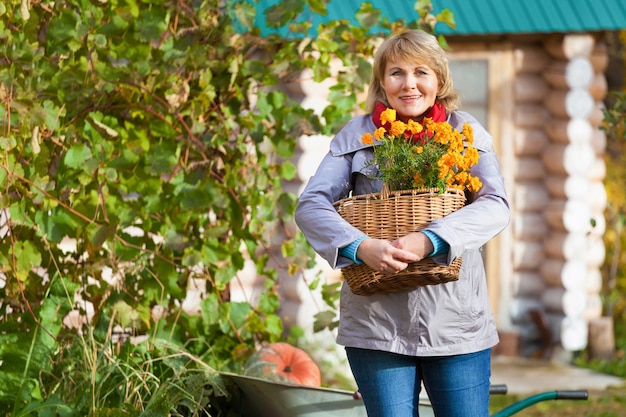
{"type": "Point", "coordinates": [393, 214]}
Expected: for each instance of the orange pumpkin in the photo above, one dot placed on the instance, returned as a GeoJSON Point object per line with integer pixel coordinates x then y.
{"type": "Point", "coordinates": [286, 363]}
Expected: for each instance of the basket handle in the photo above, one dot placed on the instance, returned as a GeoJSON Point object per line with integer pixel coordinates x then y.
{"type": "Point", "coordinates": [384, 191]}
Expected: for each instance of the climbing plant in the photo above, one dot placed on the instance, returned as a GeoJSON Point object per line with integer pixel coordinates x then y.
{"type": "Point", "coordinates": [144, 145]}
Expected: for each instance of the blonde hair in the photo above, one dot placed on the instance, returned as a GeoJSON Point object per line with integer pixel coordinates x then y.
{"type": "Point", "coordinates": [412, 45]}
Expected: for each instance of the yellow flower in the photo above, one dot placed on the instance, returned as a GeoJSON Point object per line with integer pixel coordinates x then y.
{"type": "Point", "coordinates": [474, 184]}
{"type": "Point", "coordinates": [418, 149]}
{"type": "Point", "coordinates": [380, 133]}
{"type": "Point", "coordinates": [414, 127]}
{"type": "Point", "coordinates": [397, 128]}
{"type": "Point", "coordinates": [468, 132]}
{"type": "Point", "coordinates": [388, 116]}
{"type": "Point", "coordinates": [367, 138]}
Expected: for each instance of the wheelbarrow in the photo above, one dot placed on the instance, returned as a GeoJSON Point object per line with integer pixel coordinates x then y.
{"type": "Point", "coordinates": [262, 398]}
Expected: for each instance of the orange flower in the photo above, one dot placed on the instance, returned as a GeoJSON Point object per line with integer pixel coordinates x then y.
{"type": "Point", "coordinates": [388, 116]}
{"type": "Point", "coordinates": [414, 127]}
{"type": "Point", "coordinates": [380, 133]}
{"type": "Point", "coordinates": [367, 139]}
{"type": "Point", "coordinates": [417, 180]}
{"type": "Point", "coordinates": [397, 128]}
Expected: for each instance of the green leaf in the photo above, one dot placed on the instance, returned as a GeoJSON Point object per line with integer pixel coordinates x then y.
{"type": "Point", "coordinates": [77, 155]}
{"type": "Point", "coordinates": [26, 257]}
{"type": "Point", "coordinates": [6, 144]}
{"type": "Point", "coordinates": [367, 15]}
{"type": "Point", "coordinates": [246, 13]}
{"type": "Point", "coordinates": [325, 320]}
{"type": "Point", "coordinates": [282, 13]}
{"type": "Point", "coordinates": [318, 6]}
{"type": "Point", "coordinates": [446, 16]}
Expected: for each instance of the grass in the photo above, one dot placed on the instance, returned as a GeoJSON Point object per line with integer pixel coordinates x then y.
{"type": "Point", "coordinates": [606, 403]}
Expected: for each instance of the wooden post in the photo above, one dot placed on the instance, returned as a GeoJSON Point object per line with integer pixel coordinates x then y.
{"type": "Point", "coordinates": [601, 338]}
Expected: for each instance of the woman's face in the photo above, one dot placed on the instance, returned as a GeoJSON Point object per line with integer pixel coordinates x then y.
{"type": "Point", "coordinates": [411, 88]}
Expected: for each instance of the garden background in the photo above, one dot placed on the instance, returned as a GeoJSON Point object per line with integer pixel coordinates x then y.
{"type": "Point", "coordinates": [146, 144]}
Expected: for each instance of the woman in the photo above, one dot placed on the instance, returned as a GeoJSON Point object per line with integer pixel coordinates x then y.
{"type": "Point", "coordinates": [438, 335]}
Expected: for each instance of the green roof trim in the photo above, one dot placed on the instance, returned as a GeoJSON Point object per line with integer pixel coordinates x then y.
{"type": "Point", "coordinates": [483, 17]}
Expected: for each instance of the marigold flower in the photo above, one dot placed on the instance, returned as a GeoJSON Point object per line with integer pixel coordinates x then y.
{"type": "Point", "coordinates": [388, 116]}
{"type": "Point", "coordinates": [417, 180]}
{"type": "Point", "coordinates": [424, 155]}
{"type": "Point", "coordinates": [380, 133]}
{"type": "Point", "coordinates": [468, 132]}
{"type": "Point", "coordinates": [397, 128]}
{"type": "Point", "coordinates": [414, 127]}
{"type": "Point", "coordinates": [367, 139]}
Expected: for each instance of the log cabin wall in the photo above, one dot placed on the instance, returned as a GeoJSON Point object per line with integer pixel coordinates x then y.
{"type": "Point", "coordinates": [555, 185]}
{"type": "Point", "coordinates": [575, 170]}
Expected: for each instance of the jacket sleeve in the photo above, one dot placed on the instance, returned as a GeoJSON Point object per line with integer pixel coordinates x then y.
{"type": "Point", "coordinates": [487, 212]}
{"type": "Point", "coordinates": [316, 216]}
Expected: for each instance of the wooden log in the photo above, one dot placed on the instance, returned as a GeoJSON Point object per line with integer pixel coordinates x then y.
{"type": "Point", "coordinates": [596, 252]}
{"type": "Point", "coordinates": [568, 159]}
{"type": "Point", "coordinates": [570, 216]}
{"type": "Point", "coordinates": [597, 172]}
{"type": "Point", "coordinates": [570, 303]}
{"type": "Point", "coordinates": [528, 169]}
{"type": "Point", "coordinates": [594, 281]}
{"type": "Point", "coordinates": [566, 246]}
{"type": "Point", "coordinates": [598, 87]}
{"type": "Point", "coordinates": [570, 103]}
{"type": "Point", "coordinates": [531, 115]}
{"type": "Point", "coordinates": [565, 75]}
{"type": "Point", "coordinates": [596, 116]}
{"type": "Point", "coordinates": [598, 142]}
{"type": "Point", "coordinates": [529, 226]}
{"type": "Point", "coordinates": [530, 196]}
{"type": "Point", "coordinates": [601, 338]}
{"type": "Point", "coordinates": [574, 334]}
{"type": "Point", "coordinates": [593, 309]}
{"type": "Point", "coordinates": [530, 142]}
{"type": "Point", "coordinates": [527, 284]}
{"type": "Point", "coordinates": [598, 226]}
{"type": "Point", "coordinates": [597, 196]}
{"type": "Point", "coordinates": [575, 130]}
{"type": "Point", "coordinates": [570, 46]}
{"type": "Point", "coordinates": [567, 187]}
{"type": "Point", "coordinates": [599, 57]}
{"type": "Point", "coordinates": [527, 255]}
{"type": "Point", "coordinates": [530, 59]}
{"type": "Point", "coordinates": [314, 148]}
{"type": "Point", "coordinates": [529, 88]}
{"type": "Point", "coordinates": [572, 331]}
{"type": "Point", "coordinates": [571, 274]}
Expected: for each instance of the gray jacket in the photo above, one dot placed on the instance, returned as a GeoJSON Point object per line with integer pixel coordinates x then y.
{"type": "Point", "coordinates": [434, 320]}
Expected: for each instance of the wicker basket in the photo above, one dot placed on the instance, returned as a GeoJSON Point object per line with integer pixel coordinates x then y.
{"type": "Point", "coordinates": [390, 215]}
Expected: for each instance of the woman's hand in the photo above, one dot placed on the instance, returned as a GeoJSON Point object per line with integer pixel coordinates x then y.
{"type": "Point", "coordinates": [417, 243]}
{"type": "Point", "coordinates": [382, 256]}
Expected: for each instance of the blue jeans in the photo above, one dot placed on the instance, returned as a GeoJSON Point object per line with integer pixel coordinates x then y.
{"type": "Point", "coordinates": [457, 386]}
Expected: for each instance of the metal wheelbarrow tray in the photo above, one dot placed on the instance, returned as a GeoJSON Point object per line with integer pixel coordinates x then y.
{"type": "Point", "coordinates": [263, 398]}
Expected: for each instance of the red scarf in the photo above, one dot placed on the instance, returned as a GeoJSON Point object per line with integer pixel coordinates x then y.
{"type": "Point", "coordinates": [437, 112]}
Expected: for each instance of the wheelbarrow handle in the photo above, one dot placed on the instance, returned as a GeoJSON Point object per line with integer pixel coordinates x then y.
{"type": "Point", "coordinates": [544, 396]}
{"type": "Point", "coordinates": [572, 395]}
{"type": "Point", "coordinates": [499, 389]}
